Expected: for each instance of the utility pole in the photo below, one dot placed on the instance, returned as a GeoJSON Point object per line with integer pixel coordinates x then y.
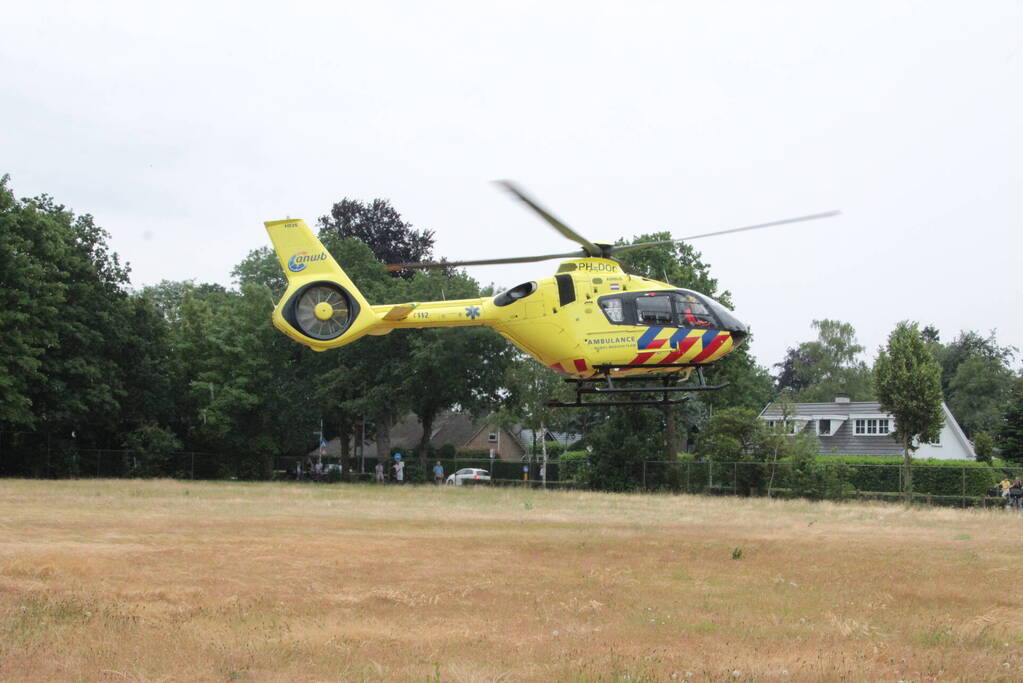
{"type": "Point", "coordinates": [321, 445]}
{"type": "Point", "coordinates": [543, 448]}
{"type": "Point", "coordinates": [362, 448]}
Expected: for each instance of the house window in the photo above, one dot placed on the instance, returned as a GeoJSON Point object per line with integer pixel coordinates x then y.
{"type": "Point", "coordinates": [823, 427]}
{"type": "Point", "coordinates": [492, 436]}
{"type": "Point", "coordinates": [872, 426]}
{"type": "Point", "coordinates": [786, 426]}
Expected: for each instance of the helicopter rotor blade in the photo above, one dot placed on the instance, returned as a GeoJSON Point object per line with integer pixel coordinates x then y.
{"type": "Point", "coordinates": [591, 248]}
{"type": "Point", "coordinates": [785, 221]}
{"type": "Point", "coordinates": [391, 267]}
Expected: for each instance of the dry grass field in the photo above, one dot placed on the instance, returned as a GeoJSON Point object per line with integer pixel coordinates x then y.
{"type": "Point", "coordinates": [162, 580]}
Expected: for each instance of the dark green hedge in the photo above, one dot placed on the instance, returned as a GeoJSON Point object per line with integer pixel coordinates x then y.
{"type": "Point", "coordinates": [935, 477]}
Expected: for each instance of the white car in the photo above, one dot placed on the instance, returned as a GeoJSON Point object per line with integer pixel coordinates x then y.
{"type": "Point", "coordinates": [468, 475]}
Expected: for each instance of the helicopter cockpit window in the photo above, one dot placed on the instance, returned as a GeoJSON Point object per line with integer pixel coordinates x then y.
{"type": "Point", "coordinates": [692, 312]}
{"type": "Point", "coordinates": [654, 309]}
{"type": "Point", "coordinates": [613, 309]}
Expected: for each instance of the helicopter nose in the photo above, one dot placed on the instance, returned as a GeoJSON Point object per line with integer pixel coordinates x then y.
{"type": "Point", "coordinates": [739, 333]}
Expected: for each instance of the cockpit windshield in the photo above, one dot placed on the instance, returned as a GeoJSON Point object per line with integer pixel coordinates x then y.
{"type": "Point", "coordinates": [692, 312]}
{"type": "Point", "coordinates": [671, 308]}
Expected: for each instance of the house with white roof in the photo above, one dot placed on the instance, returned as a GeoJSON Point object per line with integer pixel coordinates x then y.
{"type": "Point", "coordinates": [846, 427]}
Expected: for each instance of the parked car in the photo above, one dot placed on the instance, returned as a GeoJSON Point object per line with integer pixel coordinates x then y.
{"type": "Point", "coordinates": [468, 475]}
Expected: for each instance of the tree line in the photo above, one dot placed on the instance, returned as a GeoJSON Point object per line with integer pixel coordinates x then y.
{"type": "Point", "coordinates": [88, 362]}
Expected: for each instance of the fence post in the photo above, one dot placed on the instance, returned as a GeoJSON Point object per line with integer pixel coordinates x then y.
{"type": "Point", "coordinates": [735, 479]}
{"type": "Point", "coordinates": [689, 467]}
{"type": "Point", "coordinates": [644, 475]}
{"type": "Point", "coordinates": [193, 464]}
{"type": "Point", "coordinates": [964, 486]}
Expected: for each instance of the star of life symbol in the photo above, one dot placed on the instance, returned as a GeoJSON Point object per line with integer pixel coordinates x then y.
{"type": "Point", "coordinates": [472, 311]}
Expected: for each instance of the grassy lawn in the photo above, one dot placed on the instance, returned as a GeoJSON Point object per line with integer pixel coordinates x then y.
{"type": "Point", "coordinates": [162, 580]}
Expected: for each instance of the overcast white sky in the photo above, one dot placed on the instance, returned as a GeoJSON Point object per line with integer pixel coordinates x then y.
{"type": "Point", "coordinates": [183, 126]}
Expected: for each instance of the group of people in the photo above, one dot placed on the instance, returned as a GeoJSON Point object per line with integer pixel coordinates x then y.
{"type": "Point", "coordinates": [1012, 492]}
{"type": "Point", "coordinates": [398, 470]}
{"type": "Point", "coordinates": [319, 470]}
{"type": "Point", "coordinates": [314, 470]}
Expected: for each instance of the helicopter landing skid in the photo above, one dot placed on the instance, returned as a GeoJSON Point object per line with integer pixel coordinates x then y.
{"type": "Point", "coordinates": [669, 386]}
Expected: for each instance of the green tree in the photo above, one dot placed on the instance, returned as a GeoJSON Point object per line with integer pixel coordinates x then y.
{"type": "Point", "coordinates": [975, 378]}
{"type": "Point", "coordinates": [455, 367]}
{"type": "Point", "coordinates": [1010, 436]}
{"type": "Point", "coordinates": [819, 370]}
{"type": "Point", "coordinates": [967, 345]}
{"type": "Point", "coordinates": [624, 438]}
{"type": "Point", "coordinates": [67, 325]}
{"type": "Point", "coordinates": [984, 447]}
{"type": "Point", "coordinates": [380, 227]}
{"type": "Point", "coordinates": [908, 383]}
{"type": "Point", "coordinates": [149, 450]}
{"type": "Point", "coordinates": [83, 385]}
{"type": "Point", "coordinates": [978, 392]}
{"type": "Point", "coordinates": [32, 291]}
{"type": "Point", "coordinates": [149, 375]}
{"type": "Point", "coordinates": [85, 363]}
{"type": "Point", "coordinates": [736, 435]}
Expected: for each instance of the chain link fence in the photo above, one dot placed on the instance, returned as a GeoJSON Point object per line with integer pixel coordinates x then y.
{"type": "Point", "coordinates": [960, 485]}
{"type": "Point", "coordinates": [951, 484]}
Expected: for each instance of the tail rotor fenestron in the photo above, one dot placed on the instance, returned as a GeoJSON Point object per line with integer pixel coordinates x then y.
{"type": "Point", "coordinates": [322, 311]}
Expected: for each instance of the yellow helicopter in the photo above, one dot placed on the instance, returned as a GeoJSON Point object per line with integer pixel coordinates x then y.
{"type": "Point", "coordinates": [603, 328]}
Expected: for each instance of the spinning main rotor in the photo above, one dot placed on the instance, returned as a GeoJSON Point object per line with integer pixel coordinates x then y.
{"type": "Point", "coordinates": [589, 249]}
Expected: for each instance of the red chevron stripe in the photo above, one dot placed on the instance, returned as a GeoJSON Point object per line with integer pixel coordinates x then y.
{"type": "Point", "coordinates": [557, 366]}
{"type": "Point", "coordinates": [711, 347]}
{"type": "Point", "coordinates": [580, 364]}
{"type": "Point", "coordinates": [683, 347]}
{"type": "Point", "coordinates": [657, 343]}
{"type": "Point", "coordinates": [641, 358]}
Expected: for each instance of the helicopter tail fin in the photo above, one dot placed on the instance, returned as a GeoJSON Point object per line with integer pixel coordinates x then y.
{"type": "Point", "coordinates": [321, 308]}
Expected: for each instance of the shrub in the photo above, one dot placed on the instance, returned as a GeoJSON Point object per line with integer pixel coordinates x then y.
{"type": "Point", "coordinates": [934, 477]}
{"type": "Point", "coordinates": [984, 447]}
{"type": "Point", "coordinates": [808, 477]}
{"type": "Point", "coordinates": [575, 467]}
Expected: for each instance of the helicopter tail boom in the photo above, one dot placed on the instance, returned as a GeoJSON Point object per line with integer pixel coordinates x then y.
{"type": "Point", "coordinates": [323, 309]}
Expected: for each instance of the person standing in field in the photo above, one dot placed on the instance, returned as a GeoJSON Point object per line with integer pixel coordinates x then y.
{"type": "Point", "coordinates": [399, 471]}
{"type": "Point", "coordinates": [438, 474]}
{"type": "Point", "coordinates": [379, 473]}
{"type": "Point", "coordinates": [1006, 485]}
{"type": "Point", "coordinates": [1016, 495]}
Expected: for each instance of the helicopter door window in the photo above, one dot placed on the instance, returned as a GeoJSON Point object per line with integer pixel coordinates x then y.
{"type": "Point", "coordinates": [654, 309]}
{"type": "Point", "coordinates": [613, 309]}
{"type": "Point", "coordinates": [692, 312]}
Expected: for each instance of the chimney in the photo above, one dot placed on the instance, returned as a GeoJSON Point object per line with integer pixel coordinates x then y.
{"type": "Point", "coordinates": [842, 398]}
